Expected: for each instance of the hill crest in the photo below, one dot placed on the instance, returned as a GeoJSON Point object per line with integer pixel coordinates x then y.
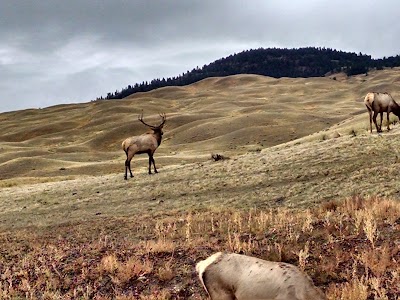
{"type": "Point", "coordinates": [273, 62]}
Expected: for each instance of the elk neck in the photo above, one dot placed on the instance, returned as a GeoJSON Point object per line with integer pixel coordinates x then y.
{"type": "Point", "coordinates": [158, 135]}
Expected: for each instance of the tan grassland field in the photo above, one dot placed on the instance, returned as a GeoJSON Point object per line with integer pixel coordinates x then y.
{"type": "Point", "coordinates": [301, 180]}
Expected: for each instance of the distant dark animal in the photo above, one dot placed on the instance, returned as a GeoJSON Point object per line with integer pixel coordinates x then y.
{"type": "Point", "coordinates": [229, 276]}
{"type": "Point", "coordinates": [378, 103]}
{"type": "Point", "coordinates": [145, 143]}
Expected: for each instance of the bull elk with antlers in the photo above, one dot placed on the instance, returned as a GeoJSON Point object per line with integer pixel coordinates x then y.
{"type": "Point", "coordinates": [145, 143]}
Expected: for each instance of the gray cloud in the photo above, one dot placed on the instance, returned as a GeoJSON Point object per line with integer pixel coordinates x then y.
{"type": "Point", "coordinates": [54, 51]}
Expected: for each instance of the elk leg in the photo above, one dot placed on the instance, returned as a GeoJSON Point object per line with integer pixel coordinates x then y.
{"type": "Point", "coordinates": [151, 161]}
{"type": "Point", "coordinates": [374, 119]}
{"type": "Point", "coordinates": [154, 164]}
{"type": "Point", "coordinates": [380, 126]}
{"type": "Point", "coordinates": [370, 122]}
{"type": "Point", "coordinates": [387, 116]}
{"type": "Point", "coordinates": [126, 169]}
{"type": "Point", "coordinates": [370, 119]}
{"type": "Point", "coordinates": [128, 166]}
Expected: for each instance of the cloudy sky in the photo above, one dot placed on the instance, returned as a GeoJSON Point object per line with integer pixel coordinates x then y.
{"type": "Point", "coordinates": [59, 51]}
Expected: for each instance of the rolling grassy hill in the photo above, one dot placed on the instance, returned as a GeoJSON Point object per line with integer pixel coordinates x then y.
{"type": "Point", "coordinates": [295, 148]}
{"type": "Point", "coordinates": [232, 115]}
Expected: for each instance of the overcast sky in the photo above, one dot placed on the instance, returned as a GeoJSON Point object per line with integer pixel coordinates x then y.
{"type": "Point", "coordinates": [63, 51]}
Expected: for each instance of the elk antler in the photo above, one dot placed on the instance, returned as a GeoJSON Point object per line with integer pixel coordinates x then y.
{"type": "Point", "coordinates": [163, 117]}
{"type": "Point", "coordinates": [140, 118]}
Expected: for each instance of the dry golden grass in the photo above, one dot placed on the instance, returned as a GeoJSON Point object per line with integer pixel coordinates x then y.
{"type": "Point", "coordinates": [91, 260]}
{"type": "Point", "coordinates": [303, 182]}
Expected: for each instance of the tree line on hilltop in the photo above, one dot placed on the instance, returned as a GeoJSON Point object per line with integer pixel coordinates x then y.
{"type": "Point", "coordinates": [273, 62]}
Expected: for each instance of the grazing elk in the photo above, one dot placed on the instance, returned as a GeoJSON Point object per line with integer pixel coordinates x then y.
{"type": "Point", "coordinates": [145, 143]}
{"type": "Point", "coordinates": [229, 276]}
{"type": "Point", "coordinates": [378, 103]}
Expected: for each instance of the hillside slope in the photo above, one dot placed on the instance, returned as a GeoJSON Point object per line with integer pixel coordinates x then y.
{"type": "Point", "coordinates": [305, 183]}
{"type": "Point", "coordinates": [286, 175]}
{"type": "Point", "coordinates": [231, 115]}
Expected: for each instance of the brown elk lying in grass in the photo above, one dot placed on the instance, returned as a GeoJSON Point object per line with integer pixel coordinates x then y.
{"type": "Point", "coordinates": [237, 277]}
{"type": "Point", "coordinates": [145, 143]}
{"type": "Point", "coordinates": [380, 103]}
